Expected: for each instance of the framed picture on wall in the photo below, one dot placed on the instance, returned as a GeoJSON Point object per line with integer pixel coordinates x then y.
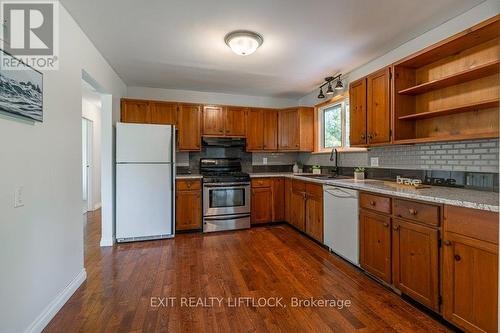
{"type": "Point", "coordinates": [21, 90]}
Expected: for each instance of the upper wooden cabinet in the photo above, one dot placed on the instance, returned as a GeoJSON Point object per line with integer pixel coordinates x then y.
{"type": "Point", "coordinates": [148, 112]}
{"type": "Point", "coordinates": [262, 130]}
{"type": "Point", "coordinates": [213, 120]}
{"type": "Point", "coordinates": [370, 110]}
{"type": "Point", "coordinates": [357, 110]}
{"type": "Point", "coordinates": [224, 121]}
{"type": "Point", "coordinates": [235, 121]}
{"type": "Point", "coordinates": [378, 107]}
{"type": "Point", "coordinates": [296, 129]}
{"type": "Point", "coordinates": [135, 111]}
{"type": "Point", "coordinates": [189, 127]}
{"type": "Point", "coordinates": [450, 90]}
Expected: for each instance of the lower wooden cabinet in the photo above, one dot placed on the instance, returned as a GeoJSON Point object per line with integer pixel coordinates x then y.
{"type": "Point", "coordinates": [288, 195]}
{"type": "Point", "coordinates": [188, 205]}
{"type": "Point", "coordinates": [415, 258]}
{"type": "Point", "coordinates": [470, 269]}
{"type": "Point", "coordinates": [375, 244]}
{"type": "Point", "coordinates": [262, 204]}
{"type": "Point", "coordinates": [297, 210]}
{"type": "Point", "coordinates": [314, 211]}
{"type": "Point", "coordinates": [279, 199]}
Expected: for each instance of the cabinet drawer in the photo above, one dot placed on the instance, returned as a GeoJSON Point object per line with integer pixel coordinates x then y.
{"type": "Point", "coordinates": [475, 223]}
{"type": "Point", "coordinates": [262, 182]}
{"type": "Point", "coordinates": [298, 186]}
{"type": "Point", "coordinates": [314, 190]}
{"type": "Point", "coordinates": [186, 185]}
{"type": "Point", "coordinates": [416, 211]}
{"type": "Point", "coordinates": [375, 202]}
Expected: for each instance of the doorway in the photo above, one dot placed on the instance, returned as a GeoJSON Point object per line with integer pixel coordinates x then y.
{"type": "Point", "coordinates": [87, 151]}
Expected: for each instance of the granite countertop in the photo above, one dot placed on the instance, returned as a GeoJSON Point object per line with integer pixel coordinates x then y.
{"type": "Point", "coordinates": [443, 195]}
{"type": "Point", "coordinates": [188, 176]}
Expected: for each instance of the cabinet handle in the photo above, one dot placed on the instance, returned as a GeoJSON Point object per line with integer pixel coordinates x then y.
{"type": "Point", "coordinates": [396, 227]}
{"type": "Point", "coordinates": [188, 185]}
{"type": "Point", "coordinates": [457, 257]}
{"type": "Point", "coordinates": [370, 136]}
{"type": "Point", "coordinates": [363, 136]}
{"type": "Point", "coordinates": [372, 203]}
{"type": "Point", "coordinates": [297, 145]}
{"type": "Point", "coordinates": [221, 131]}
{"type": "Point", "coordinates": [412, 211]}
{"type": "Point", "coordinates": [447, 242]}
{"type": "Point", "coordinates": [386, 225]}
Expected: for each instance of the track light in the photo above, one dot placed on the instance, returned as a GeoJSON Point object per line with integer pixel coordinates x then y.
{"type": "Point", "coordinates": [330, 91]}
{"type": "Point", "coordinates": [339, 85]}
{"type": "Point", "coordinates": [321, 93]}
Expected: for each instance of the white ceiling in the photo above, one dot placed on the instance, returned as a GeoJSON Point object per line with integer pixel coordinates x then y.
{"type": "Point", "coordinates": [179, 44]}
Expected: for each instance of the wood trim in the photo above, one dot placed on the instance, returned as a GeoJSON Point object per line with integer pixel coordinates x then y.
{"type": "Point", "coordinates": [336, 99]}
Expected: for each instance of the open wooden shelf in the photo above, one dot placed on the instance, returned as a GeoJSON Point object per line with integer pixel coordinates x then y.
{"type": "Point", "coordinates": [458, 109]}
{"type": "Point", "coordinates": [460, 77]}
{"type": "Point", "coordinates": [461, 137]}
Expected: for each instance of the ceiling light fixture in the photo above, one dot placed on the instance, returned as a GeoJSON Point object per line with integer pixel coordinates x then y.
{"type": "Point", "coordinates": [330, 90]}
{"type": "Point", "coordinates": [243, 42]}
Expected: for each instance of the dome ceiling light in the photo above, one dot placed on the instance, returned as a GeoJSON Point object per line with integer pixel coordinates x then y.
{"type": "Point", "coordinates": [328, 81]}
{"type": "Point", "coordinates": [243, 42]}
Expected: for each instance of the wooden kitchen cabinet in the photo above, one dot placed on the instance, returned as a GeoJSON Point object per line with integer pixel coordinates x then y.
{"type": "Point", "coordinates": [470, 269]}
{"type": "Point", "coordinates": [188, 205]}
{"type": "Point", "coordinates": [135, 111]}
{"type": "Point", "coordinates": [189, 127]}
{"type": "Point", "coordinates": [357, 113]}
{"type": "Point", "coordinates": [314, 211]}
{"type": "Point", "coordinates": [375, 244]}
{"type": "Point", "coordinates": [415, 257]}
{"type": "Point", "coordinates": [255, 134]}
{"type": "Point", "coordinates": [378, 106]}
{"type": "Point", "coordinates": [213, 120]}
{"type": "Point", "coordinates": [163, 113]}
{"type": "Point", "coordinates": [288, 195]}
{"type": "Point", "coordinates": [262, 204]}
{"type": "Point", "coordinates": [235, 121]}
{"type": "Point", "coordinates": [295, 129]}
{"type": "Point", "coordinates": [279, 199]}
{"type": "Point", "coordinates": [297, 210]}
{"type": "Point", "coordinates": [270, 129]}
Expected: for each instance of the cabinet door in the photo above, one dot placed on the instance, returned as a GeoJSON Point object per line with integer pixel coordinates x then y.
{"type": "Point", "coordinates": [188, 210]}
{"type": "Point", "coordinates": [357, 113]}
{"type": "Point", "coordinates": [470, 283]}
{"type": "Point", "coordinates": [288, 195]}
{"type": "Point", "coordinates": [297, 211]}
{"type": "Point", "coordinates": [235, 121]}
{"type": "Point", "coordinates": [375, 244]}
{"type": "Point", "coordinates": [262, 205]}
{"type": "Point", "coordinates": [213, 120]}
{"type": "Point", "coordinates": [379, 115]}
{"type": "Point", "coordinates": [255, 133]}
{"type": "Point", "coordinates": [135, 111]}
{"type": "Point", "coordinates": [189, 136]}
{"type": "Point", "coordinates": [270, 130]}
{"type": "Point", "coordinates": [314, 211]}
{"type": "Point", "coordinates": [279, 199]}
{"type": "Point", "coordinates": [288, 130]}
{"type": "Point", "coordinates": [415, 262]}
{"type": "Point", "coordinates": [163, 113]}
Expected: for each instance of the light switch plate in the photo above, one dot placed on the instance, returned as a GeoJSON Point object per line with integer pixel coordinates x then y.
{"type": "Point", "coordinates": [18, 197]}
{"type": "Point", "coordinates": [264, 160]}
{"type": "Point", "coordinates": [374, 161]}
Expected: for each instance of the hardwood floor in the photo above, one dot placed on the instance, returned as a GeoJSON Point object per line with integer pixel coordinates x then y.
{"type": "Point", "coordinates": [274, 261]}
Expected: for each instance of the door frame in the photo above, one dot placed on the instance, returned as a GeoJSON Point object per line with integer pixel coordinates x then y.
{"type": "Point", "coordinates": [90, 165]}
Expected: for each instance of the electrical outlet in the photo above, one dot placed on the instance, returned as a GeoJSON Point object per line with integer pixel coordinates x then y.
{"type": "Point", "coordinates": [264, 160]}
{"type": "Point", "coordinates": [374, 161]}
{"type": "Point", "coordinates": [19, 197]}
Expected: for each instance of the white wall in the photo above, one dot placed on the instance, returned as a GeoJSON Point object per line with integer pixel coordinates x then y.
{"type": "Point", "coordinates": [476, 15]}
{"type": "Point", "coordinates": [41, 244]}
{"type": "Point", "coordinates": [189, 96]}
{"type": "Point", "coordinates": [92, 111]}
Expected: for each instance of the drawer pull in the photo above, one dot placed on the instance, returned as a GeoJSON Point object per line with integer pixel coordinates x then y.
{"type": "Point", "coordinates": [457, 257]}
{"type": "Point", "coordinates": [372, 203]}
{"type": "Point", "coordinates": [396, 227]}
{"type": "Point", "coordinates": [447, 242]}
{"type": "Point", "coordinates": [386, 225]}
{"type": "Point", "coordinates": [412, 211]}
{"type": "Point", "coordinates": [188, 185]}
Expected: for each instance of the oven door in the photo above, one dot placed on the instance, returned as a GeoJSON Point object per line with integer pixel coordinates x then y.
{"type": "Point", "coordinates": [226, 199]}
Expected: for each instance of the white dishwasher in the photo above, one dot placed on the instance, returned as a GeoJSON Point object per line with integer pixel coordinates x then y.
{"type": "Point", "coordinates": [341, 222]}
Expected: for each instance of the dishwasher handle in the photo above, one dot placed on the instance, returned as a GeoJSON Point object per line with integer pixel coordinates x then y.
{"type": "Point", "coordinates": [340, 193]}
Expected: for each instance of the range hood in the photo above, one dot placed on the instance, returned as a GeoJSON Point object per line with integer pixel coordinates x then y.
{"type": "Point", "coordinates": [224, 142]}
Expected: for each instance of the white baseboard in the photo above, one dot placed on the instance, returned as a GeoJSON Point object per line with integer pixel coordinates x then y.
{"type": "Point", "coordinates": [106, 242]}
{"type": "Point", "coordinates": [53, 308]}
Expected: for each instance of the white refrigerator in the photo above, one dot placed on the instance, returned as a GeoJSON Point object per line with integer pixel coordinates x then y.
{"type": "Point", "coordinates": [145, 182]}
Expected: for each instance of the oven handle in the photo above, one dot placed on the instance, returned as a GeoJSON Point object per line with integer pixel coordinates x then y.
{"type": "Point", "coordinates": [226, 217]}
{"type": "Point", "coordinates": [226, 185]}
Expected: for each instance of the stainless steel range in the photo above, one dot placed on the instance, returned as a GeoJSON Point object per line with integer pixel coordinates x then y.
{"type": "Point", "coordinates": [226, 194]}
